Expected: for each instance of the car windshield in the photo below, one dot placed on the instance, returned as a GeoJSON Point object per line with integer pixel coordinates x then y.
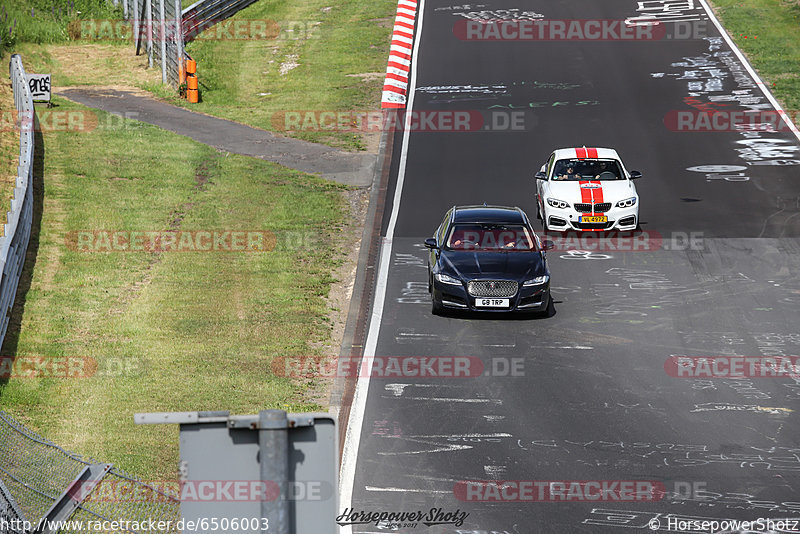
{"type": "Point", "coordinates": [587, 169]}
{"type": "Point", "coordinates": [484, 237]}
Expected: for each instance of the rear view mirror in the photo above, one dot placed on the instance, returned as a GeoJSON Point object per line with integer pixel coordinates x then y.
{"type": "Point", "coordinates": [548, 244]}
{"type": "Point", "coordinates": [430, 243]}
{"type": "Point", "coordinates": [635, 175]}
{"type": "Point", "coordinates": [540, 176]}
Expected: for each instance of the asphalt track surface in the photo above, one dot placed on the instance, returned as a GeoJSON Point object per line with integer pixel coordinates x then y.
{"type": "Point", "coordinates": [337, 165]}
{"type": "Point", "coordinates": [594, 401]}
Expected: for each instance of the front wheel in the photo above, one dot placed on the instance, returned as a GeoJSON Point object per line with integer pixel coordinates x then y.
{"type": "Point", "coordinates": [436, 308]}
{"type": "Point", "coordinates": [551, 308]}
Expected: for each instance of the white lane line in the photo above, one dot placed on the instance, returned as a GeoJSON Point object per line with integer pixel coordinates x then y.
{"type": "Point", "coordinates": [399, 389]}
{"type": "Point", "coordinates": [493, 435]}
{"type": "Point", "coordinates": [750, 70]}
{"type": "Point", "coordinates": [357, 409]}
{"type": "Point", "coordinates": [440, 448]}
{"type": "Point", "coordinates": [446, 399]}
{"type": "Point", "coordinates": [406, 490]}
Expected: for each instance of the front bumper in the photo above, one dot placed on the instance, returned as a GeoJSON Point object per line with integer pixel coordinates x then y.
{"type": "Point", "coordinates": [569, 219]}
{"type": "Point", "coordinates": [456, 297]}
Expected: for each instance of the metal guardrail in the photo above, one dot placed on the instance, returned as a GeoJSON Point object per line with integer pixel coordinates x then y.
{"type": "Point", "coordinates": [36, 474]}
{"type": "Point", "coordinates": [205, 13]}
{"type": "Point", "coordinates": [17, 230]}
{"type": "Point", "coordinates": [163, 29]}
{"type": "Point", "coordinates": [157, 26]}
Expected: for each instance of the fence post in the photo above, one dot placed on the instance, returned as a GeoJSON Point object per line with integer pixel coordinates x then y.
{"type": "Point", "coordinates": [137, 27]}
{"type": "Point", "coordinates": [163, 38]}
{"type": "Point", "coordinates": [149, 17]}
{"type": "Point", "coordinates": [273, 448]}
{"type": "Point", "coordinates": [178, 36]}
{"type": "Point", "coordinates": [125, 9]}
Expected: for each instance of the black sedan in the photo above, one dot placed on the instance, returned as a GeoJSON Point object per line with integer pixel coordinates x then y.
{"type": "Point", "coordinates": [487, 258]}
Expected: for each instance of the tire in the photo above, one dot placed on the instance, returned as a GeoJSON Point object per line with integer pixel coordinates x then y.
{"type": "Point", "coordinates": [436, 308]}
{"type": "Point", "coordinates": [550, 311]}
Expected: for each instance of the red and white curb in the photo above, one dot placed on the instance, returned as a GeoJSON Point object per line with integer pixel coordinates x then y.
{"type": "Point", "coordinates": [396, 84]}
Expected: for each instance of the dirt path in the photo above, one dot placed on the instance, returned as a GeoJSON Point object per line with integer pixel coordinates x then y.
{"type": "Point", "coordinates": [337, 165]}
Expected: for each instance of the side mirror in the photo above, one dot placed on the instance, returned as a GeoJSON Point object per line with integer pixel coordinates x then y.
{"type": "Point", "coordinates": [540, 176]}
{"type": "Point", "coordinates": [635, 175]}
{"type": "Point", "coordinates": [430, 243]}
{"type": "Point", "coordinates": [548, 244]}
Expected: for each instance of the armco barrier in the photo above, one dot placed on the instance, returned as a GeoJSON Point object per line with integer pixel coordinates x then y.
{"type": "Point", "coordinates": [205, 13]}
{"type": "Point", "coordinates": [17, 230]}
{"type": "Point", "coordinates": [162, 28]}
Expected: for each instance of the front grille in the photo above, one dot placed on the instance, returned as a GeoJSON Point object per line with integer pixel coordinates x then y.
{"type": "Point", "coordinates": [492, 288]}
{"type": "Point", "coordinates": [598, 208]}
{"type": "Point", "coordinates": [594, 226]}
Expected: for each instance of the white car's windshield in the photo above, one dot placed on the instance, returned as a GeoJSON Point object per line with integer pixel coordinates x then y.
{"type": "Point", "coordinates": [587, 169]}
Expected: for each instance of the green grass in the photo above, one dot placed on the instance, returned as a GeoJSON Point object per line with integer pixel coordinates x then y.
{"type": "Point", "coordinates": [46, 21]}
{"type": "Point", "coordinates": [241, 79]}
{"type": "Point", "coordinates": [768, 32]}
{"type": "Point", "coordinates": [199, 329]}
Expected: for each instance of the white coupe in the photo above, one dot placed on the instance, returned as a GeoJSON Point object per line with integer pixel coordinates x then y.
{"type": "Point", "coordinates": [587, 189]}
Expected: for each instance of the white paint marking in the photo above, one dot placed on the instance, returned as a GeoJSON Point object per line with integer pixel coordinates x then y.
{"type": "Point", "coordinates": [406, 490]}
{"type": "Point", "coordinates": [396, 389]}
{"type": "Point", "coordinates": [450, 399]}
{"type": "Point", "coordinates": [358, 407]}
{"type": "Point", "coordinates": [750, 70]}
{"type": "Point", "coordinates": [494, 471]}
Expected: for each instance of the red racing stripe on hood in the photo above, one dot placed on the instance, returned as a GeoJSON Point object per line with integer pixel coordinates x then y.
{"type": "Point", "coordinates": [591, 191]}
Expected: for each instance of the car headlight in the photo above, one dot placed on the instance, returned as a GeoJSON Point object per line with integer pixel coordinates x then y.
{"type": "Point", "coordinates": [445, 279]}
{"type": "Point", "coordinates": [554, 202]}
{"type": "Point", "coordinates": [627, 203]}
{"type": "Point", "coordinates": [539, 280]}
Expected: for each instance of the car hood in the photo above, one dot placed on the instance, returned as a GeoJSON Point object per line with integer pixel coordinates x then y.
{"type": "Point", "coordinates": [502, 265]}
{"type": "Point", "coordinates": [585, 190]}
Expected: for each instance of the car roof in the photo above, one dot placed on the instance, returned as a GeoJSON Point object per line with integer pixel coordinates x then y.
{"type": "Point", "coordinates": [586, 153]}
{"type": "Point", "coordinates": [488, 214]}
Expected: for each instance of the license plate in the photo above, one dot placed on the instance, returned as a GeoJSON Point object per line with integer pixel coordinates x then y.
{"type": "Point", "coordinates": [491, 303]}
{"type": "Point", "coordinates": [594, 218]}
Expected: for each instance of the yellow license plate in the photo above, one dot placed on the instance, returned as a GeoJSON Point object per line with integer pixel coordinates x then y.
{"type": "Point", "coordinates": [594, 218]}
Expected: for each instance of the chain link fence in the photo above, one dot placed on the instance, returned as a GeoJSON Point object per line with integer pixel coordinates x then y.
{"type": "Point", "coordinates": [35, 474]}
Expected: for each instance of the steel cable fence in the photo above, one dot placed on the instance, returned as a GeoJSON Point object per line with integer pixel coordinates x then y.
{"type": "Point", "coordinates": [37, 473]}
